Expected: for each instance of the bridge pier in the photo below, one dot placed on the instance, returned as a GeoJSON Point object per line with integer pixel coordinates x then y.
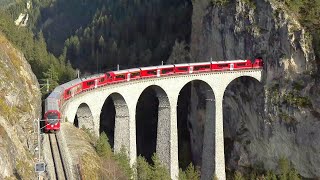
{"type": "Point", "coordinates": [208, 152]}
{"type": "Point", "coordinates": [174, 161]}
{"type": "Point", "coordinates": [220, 171]}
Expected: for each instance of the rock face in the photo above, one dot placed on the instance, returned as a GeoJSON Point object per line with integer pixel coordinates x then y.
{"type": "Point", "coordinates": [281, 117]}
{"type": "Point", "coordinates": [20, 104]}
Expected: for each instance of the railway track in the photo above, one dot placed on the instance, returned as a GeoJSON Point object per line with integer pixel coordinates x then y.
{"type": "Point", "coordinates": [59, 168]}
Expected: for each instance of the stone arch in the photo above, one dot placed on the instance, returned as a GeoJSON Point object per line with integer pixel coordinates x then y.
{"type": "Point", "coordinates": [160, 123]}
{"type": "Point", "coordinates": [242, 76]}
{"type": "Point", "coordinates": [243, 118]}
{"type": "Point", "coordinates": [116, 127]}
{"type": "Point", "coordinates": [83, 117]}
{"type": "Point", "coordinates": [197, 126]}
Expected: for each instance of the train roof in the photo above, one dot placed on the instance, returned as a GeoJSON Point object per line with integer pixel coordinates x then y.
{"type": "Point", "coordinates": [54, 94]}
{"type": "Point", "coordinates": [230, 61]}
{"type": "Point", "coordinates": [166, 66]}
{"type": "Point", "coordinates": [199, 63]}
{"type": "Point", "coordinates": [134, 69]}
{"type": "Point", "coordinates": [149, 68]}
{"type": "Point", "coordinates": [120, 71]}
{"type": "Point", "coordinates": [180, 65]}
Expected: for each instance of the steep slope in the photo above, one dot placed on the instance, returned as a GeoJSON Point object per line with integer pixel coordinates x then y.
{"type": "Point", "coordinates": [279, 118]}
{"type": "Point", "coordinates": [20, 102]}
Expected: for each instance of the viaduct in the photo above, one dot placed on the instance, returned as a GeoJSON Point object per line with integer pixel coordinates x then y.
{"type": "Point", "coordinates": [87, 106]}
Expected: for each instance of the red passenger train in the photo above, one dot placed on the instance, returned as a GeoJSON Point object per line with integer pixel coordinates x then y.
{"type": "Point", "coordinates": [68, 90]}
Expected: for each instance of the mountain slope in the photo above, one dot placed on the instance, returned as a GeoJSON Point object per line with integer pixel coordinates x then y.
{"type": "Point", "coordinates": [20, 105]}
{"type": "Point", "coordinates": [280, 117]}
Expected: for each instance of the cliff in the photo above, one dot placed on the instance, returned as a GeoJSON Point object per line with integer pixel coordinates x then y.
{"type": "Point", "coordinates": [20, 105]}
{"type": "Point", "coordinates": [280, 117]}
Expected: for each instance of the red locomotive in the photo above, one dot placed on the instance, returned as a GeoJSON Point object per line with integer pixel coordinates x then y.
{"type": "Point", "coordinates": [68, 90]}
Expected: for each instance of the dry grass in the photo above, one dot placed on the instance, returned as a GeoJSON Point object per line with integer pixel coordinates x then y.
{"type": "Point", "coordinates": [89, 166]}
{"type": "Point", "coordinates": [111, 170]}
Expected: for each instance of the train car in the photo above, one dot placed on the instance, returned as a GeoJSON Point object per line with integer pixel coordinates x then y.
{"type": "Point", "coordinates": [133, 74]}
{"type": "Point", "coordinates": [199, 67]}
{"type": "Point", "coordinates": [71, 88]}
{"type": "Point", "coordinates": [102, 80]}
{"type": "Point", "coordinates": [117, 76]}
{"type": "Point", "coordinates": [92, 82]}
{"type": "Point", "coordinates": [52, 112]}
{"type": "Point", "coordinates": [241, 64]}
{"type": "Point", "coordinates": [230, 65]}
{"type": "Point", "coordinates": [166, 70]}
{"type": "Point", "coordinates": [151, 71]}
{"type": "Point", "coordinates": [258, 63]}
{"type": "Point", "coordinates": [221, 66]}
{"type": "Point", "coordinates": [182, 69]}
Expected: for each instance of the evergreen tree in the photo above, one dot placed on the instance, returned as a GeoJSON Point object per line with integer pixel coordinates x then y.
{"type": "Point", "coordinates": [293, 175]}
{"type": "Point", "coordinates": [284, 168]}
{"type": "Point", "coordinates": [159, 171]}
{"type": "Point", "coordinates": [103, 147]}
{"type": "Point", "coordinates": [144, 171]}
{"type": "Point", "coordinates": [192, 173]}
{"type": "Point", "coordinates": [238, 176]}
{"type": "Point", "coordinates": [271, 176]}
{"type": "Point", "coordinates": [124, 162]}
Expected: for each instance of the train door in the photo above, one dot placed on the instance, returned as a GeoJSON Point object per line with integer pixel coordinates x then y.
{"type": "Point", "coordinates": [95, 83]}
{"type": "Point", "coordinates": [191, 69]}
{"type": "Point", "coordinates": [158, 72]}
{"type": "Point", "coordinates": [128, 76]}
{"type": "Point", "coordinates": [72, 92]}
{"type": "Point", "coordinates": [231, 67]}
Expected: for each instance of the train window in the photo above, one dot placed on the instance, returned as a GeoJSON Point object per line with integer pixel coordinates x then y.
{"type": "Point", "coordinates": [135, 74]}
{"type": "Point", "coordinates": [241, 64]}
{"type": "Point", "coordinates": [183, 68]}
{"type": "Point", "coordinates": [120, 76]}
{"type": "Point", "coordinates": [197, 68]}
{"type": "Point", "coordinates": [101, 80]}
{"type": "Point", "coordinates": [165, 71]}
{"type": "Point", "coordinates": [52, 116]}
{"type": "Point", "coordinates": [152, 72]}
{"type": "Point", "coordinates": [90, 83]}
{"type": "Point", "coordinates": [68, 92]}
{"type": "Point", "coordinates": [223, 65]}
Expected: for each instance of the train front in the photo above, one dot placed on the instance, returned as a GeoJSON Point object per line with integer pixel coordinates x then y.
{"type": "Point", "coordinates": [52, 121]}
{"type": "Point", "coordinates": [52, 114]}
